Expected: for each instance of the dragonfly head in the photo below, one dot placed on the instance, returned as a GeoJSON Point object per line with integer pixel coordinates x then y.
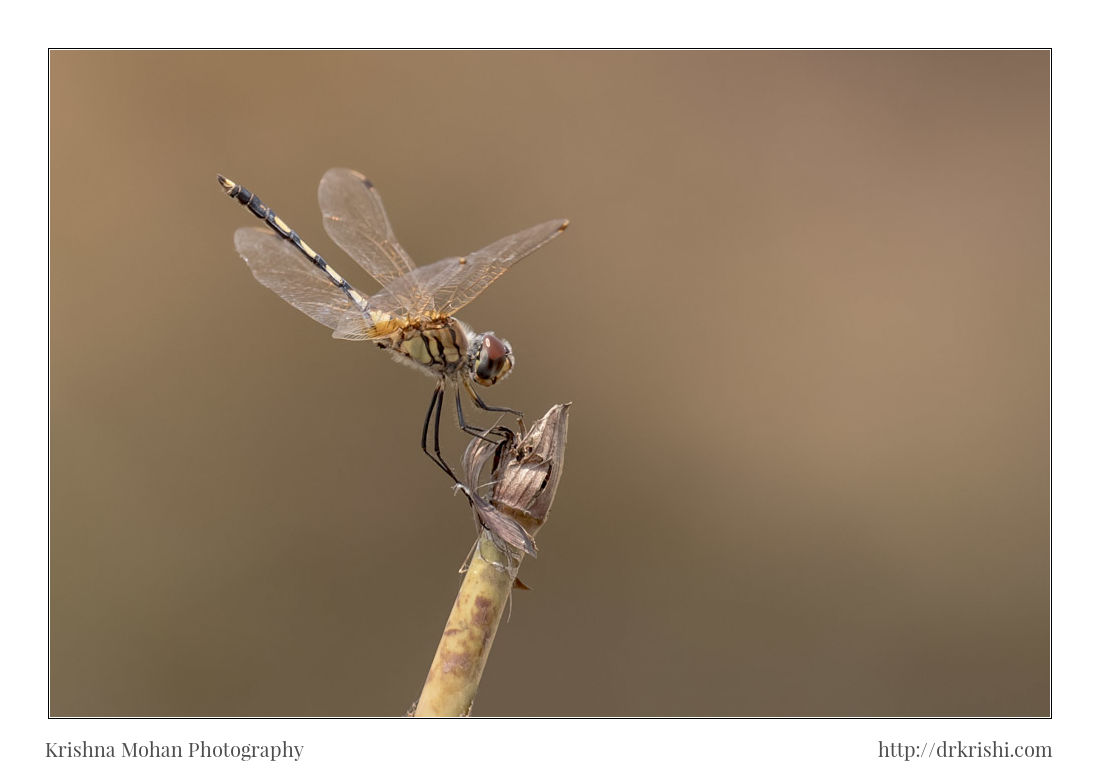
{"type": "Point", "coordinates": [490, 358]}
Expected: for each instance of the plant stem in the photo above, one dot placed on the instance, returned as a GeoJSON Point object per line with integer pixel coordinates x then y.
{"type": "Point", "coordinates": [467, 638]}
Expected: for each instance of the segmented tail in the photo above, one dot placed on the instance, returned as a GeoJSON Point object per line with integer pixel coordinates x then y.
{"type": "Point", "coordinates": [280, 227]}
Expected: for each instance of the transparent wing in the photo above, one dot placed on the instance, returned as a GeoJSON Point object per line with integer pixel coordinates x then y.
{"type": "Point", "coordinates": [278, 265]}
{"type": "Point", "coordinates": [446, 286]}
{"type": "Point", "coordinates": [355, 219]}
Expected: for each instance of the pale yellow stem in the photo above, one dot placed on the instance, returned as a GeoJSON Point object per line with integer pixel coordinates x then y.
{"type": "Point", "coordinates": [460, 658]}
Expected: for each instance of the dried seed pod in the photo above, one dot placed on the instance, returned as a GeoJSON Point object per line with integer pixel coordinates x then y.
{"type": "Point", "coordinates": [524, 478]}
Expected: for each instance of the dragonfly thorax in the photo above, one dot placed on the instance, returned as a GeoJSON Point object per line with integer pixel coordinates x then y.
{"type": "Point", "coordinates": [446, 346]}
{"type": "Point", "coordinates": [439, 347]}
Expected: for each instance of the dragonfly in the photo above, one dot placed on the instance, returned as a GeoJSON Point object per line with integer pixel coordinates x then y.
{"type": "Point", "coordinates": [412, 315]}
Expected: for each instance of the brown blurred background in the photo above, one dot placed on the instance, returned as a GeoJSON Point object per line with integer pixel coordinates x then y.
{"type": "Point", "coordinates": [802, 313]}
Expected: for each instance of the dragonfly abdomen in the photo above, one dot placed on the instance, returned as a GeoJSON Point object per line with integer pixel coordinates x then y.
{"type": "Point", "coordinates": [280, 227]}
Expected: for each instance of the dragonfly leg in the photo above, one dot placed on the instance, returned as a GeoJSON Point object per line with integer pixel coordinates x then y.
{"type": "Point", "coordinates": [435, 408]}
{"type": "Point", "coordinates": [476, 431]}
{"type": "Point", "coordinates": [489, 408]}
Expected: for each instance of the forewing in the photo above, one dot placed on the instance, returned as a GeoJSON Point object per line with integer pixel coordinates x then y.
{"type": "Point", "coordinates": [278, 265]}
{"type": "Point", "coordinates": [448, 285]}
{"type": "Point", "coordinates": [355, 219]}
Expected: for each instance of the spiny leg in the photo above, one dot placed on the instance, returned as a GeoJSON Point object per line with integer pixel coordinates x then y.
{"type": "Point", "coordinates": [489, 408]}
{"type": "Point", "coordinates": [476, 431]}
{"type": "Point", "coordinates": [435, 408]}
{"type": "Point", "coordinates": [507, 442]}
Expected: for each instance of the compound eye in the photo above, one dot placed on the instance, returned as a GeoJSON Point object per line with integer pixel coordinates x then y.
{"type": "Point", "coordinates": [494, 360]}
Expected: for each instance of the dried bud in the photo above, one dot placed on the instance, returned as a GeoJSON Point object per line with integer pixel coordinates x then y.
{"type": "Point", "coordinates": [524, 478]}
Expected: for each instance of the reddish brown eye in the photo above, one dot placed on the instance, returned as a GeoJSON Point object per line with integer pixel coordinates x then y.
{"type": "Point", "coordinates": [493, 359]}
{"type": "Point", "coordinates": [495, 349]}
